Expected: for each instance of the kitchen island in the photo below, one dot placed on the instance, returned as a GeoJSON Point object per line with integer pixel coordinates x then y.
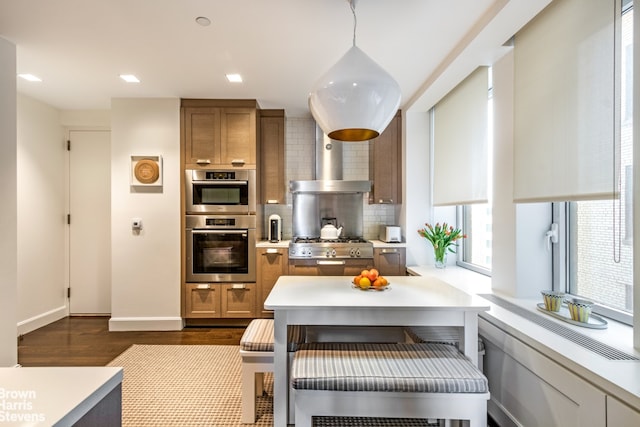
{"type": "Point", "coordinates": [61, 396]}
{"type": "Point", "coordinates": [332, 300]}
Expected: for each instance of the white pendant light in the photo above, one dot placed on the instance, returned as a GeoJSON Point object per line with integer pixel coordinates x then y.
{"type": "Point", "coordinates": [356, 99]}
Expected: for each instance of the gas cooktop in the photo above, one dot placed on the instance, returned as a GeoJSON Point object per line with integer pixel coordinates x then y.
{"type": "Point", "coordinates": [338, 240]}
{"type": "Point", "coordinates": [317, 248]}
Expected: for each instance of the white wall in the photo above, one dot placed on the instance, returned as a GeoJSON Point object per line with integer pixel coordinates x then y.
{"type": "Point", "coordinates": [416, 187]}
{"type": "Point", "coordinates": [8, 211]}
{"type": "Point", "coordinates": [41, 215]}
{"type": "Point", "coordinates": [146, 267]}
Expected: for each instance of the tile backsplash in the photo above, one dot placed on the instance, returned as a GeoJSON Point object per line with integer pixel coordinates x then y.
{"type": "Point", "coordinates": [299, 165]}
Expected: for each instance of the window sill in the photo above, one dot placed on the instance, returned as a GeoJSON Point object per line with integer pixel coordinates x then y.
{"type": "Point", "coordinates": [617, 378]}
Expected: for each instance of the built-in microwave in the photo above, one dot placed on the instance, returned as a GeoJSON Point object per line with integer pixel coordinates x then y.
{"type": "Point", "coordinates": [220, 191]}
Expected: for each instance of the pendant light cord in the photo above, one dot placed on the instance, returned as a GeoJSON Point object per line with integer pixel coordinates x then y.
{"type": "Point", "coordinates": [355, 20]}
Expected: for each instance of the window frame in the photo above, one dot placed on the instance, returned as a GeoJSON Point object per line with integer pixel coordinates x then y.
{"type": "Point", "coordinates": [560, 269]}
{"type": "Point", "coordinates": [460, 261]}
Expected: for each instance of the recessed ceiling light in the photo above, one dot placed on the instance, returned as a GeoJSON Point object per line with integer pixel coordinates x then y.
{"type": "Point", "coordinates": [129, 78]}
{"type": "Point", "coordinates": [30, 77]}
{"type": "Point", "coordinates": [203, 20]}
{"type": "Point", "coordinates": [234, 78]}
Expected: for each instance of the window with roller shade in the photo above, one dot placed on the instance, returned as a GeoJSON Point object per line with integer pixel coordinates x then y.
{"type": "Point", "coordinates": [599, 244]}
{"type": "Point", "coordinates": [462, 164]}
{"type": "Point", "coordinates": [572, 142]}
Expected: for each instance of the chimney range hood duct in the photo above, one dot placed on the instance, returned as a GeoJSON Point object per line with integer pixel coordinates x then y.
{"type": "Point", "coordinates": [328, 171]}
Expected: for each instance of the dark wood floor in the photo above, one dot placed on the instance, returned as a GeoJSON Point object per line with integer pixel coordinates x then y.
{"type": "Point", "coordinates": [86, 341]}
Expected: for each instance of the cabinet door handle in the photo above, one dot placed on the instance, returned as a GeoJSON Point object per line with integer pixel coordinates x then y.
{"type": "Point", "coordinates": [273, 251]}
{"type": "Point", "coordinates": [204, 286]}
{"type": "Point", "coordinates": [272, 202]}
{"type": "Point", "coordinates": [238, 286]}
{"type": "Point", "coordinates": [385, 201]}
{"type": "Point", "coordinates": [389, 251]}
{"type": "Point", "coordinates": [238, 162]}
{"type": "Point", "coordinates": [203, 161]}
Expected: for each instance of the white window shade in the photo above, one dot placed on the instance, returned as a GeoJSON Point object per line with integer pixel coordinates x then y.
{"type": "Point", "coordinates": [460, 153]}
{"type": "Point", "coordinates": [564, 103]}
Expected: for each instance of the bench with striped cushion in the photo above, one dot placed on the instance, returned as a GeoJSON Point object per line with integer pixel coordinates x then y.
{"type": "Point", "coordinates": [426, 380]}
{"type": "Point", "coordinates": [256, 350]}
{"type": "Point", "coordinates": [442, 334]}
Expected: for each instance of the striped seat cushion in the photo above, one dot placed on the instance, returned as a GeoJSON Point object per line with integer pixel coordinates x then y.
{"type": "Point", "coordinates": [427, 367]}
{"type": "Point", "coordinates": [259, 336]}
{"type": "Point", "coordinates": [438, 334]}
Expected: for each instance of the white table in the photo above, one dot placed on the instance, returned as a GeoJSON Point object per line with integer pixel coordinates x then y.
{"type": "Point", "coordinates": [331, 300]}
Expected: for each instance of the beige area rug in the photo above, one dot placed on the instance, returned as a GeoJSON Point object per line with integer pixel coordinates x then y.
{"type": "Point", "coordinates": [199, 386]}
{"type": "Point", "coordinates": [185, 385]}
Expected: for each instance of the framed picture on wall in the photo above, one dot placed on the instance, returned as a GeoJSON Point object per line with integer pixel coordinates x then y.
{"type": "Point", "coordinates": [146, 171]}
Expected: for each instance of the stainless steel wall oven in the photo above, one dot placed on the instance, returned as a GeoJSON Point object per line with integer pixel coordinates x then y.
{"type": "Point", "coordinates": [220, 248]}
{"type": "Point", "coordinates": [220, 191]}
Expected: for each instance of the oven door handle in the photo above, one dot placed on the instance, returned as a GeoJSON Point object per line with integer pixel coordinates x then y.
{"type": "Point", "coordinates": [219, 183]}
{"type": "Point", "coordinates": [337, 262]}
{"type": "Point", "coordinates": [205, 231]}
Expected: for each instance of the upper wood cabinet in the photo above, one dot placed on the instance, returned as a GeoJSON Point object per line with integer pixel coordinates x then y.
{"type": "Point", "coordinates": [219, 133]}
{"type": "Point", "coordinates": [271, 166]}
{"type": "Point", "coordinates": [385, 164]}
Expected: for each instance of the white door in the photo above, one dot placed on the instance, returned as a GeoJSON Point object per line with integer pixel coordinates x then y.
{"type": "Point", "coordinates": [90, 226]}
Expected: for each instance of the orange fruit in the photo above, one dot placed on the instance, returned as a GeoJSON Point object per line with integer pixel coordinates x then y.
{"type": "Point", "coordinates": [373, 274]}
{"type": "Point", "coordinates": [356, 280]}
{"type": "Point", "coordinates": [364, 273]}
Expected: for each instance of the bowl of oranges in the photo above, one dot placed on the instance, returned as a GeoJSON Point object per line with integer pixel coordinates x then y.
{"type": "Point", "coordinates": [370, 280]}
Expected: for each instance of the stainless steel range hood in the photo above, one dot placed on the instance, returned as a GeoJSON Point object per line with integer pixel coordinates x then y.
{"type": "Point", "coordinates": [328, 171]}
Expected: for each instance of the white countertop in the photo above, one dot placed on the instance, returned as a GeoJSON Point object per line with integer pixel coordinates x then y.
{"type": "Point", "coordinates": [285, 244]}
{"type": "Point", "coordinates": [53, 396]}
{"type": "Point", "coordinates": [268, 244]}
{"type": "Point", "coordinates": [404, 292]}
{"type": "Point", "coordinates": [618, 378]}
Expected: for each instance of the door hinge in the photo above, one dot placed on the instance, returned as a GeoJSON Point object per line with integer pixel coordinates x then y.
{"type": "Point", "coordinates": [68, 145]}
{"type": "Point", "coordinates": [68, 219]}
{"type": "Point", "coordinates": [69, 292]}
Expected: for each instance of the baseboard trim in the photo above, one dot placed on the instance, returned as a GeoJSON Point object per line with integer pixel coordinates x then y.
{"type": "Point", "coordinates": [145, 324]}
{"type": "Point", "coordinates": [36, 322]}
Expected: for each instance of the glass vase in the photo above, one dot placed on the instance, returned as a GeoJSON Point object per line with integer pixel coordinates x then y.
{"type": "Point", "coordinates": [440, 258]}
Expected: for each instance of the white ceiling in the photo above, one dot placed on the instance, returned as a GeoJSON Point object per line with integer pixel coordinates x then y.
{"type": "Point", "coordinates": [80, 47]}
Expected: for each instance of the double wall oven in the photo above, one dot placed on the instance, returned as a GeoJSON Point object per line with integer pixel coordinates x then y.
{"type": "Point", "coordinates": [220, 225]}
{"type": "Point", "coordinates": [220, 248]}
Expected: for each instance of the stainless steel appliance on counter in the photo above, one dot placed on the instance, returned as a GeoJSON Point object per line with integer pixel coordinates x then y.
{"type": "Point", "coordinates": [275, 228]}
{"type": "Point", "coordinates": [220, 248]}
{"type": "Point", "coordinates": [220, 191]}
{"type": "Point", "coordinates": [390, 234]}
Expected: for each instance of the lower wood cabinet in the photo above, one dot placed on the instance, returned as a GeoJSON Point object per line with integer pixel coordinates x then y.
{"type": "Point", "coordinates": [390, 261]}
{"type": "Point", "coordinates": [220, 300]}
{"type": "Point", "coordinates": [272, 263]}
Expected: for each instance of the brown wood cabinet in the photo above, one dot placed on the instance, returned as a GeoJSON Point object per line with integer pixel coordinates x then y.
{"type": "Point", "coordinates": [272, 263]}
{"type": "Point", "coordinates": [219, 133]}
{"type": "Point", "coordinates": [390, 261]}
{"type": "Point", "coordinates": [220, 300]}
{"type": "Point", "coordinates": [271, 167]}
{"type": "Point", "coordinates": [238, 300]}
{"type": "Point", "coordinates": [201, 300]}
{"type": "Point", "coordinates": [385, 164]}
